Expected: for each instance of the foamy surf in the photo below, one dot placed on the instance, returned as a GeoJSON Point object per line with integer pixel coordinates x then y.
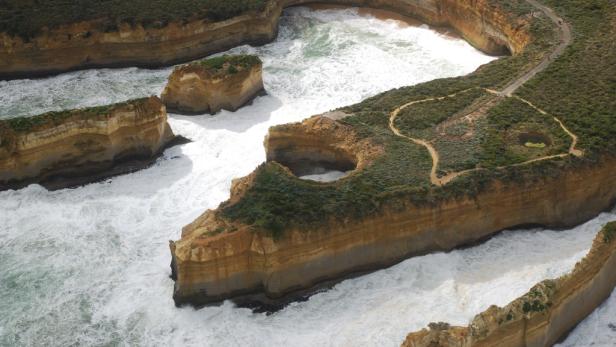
{"type": "Point", "coordinates": [90, 266]}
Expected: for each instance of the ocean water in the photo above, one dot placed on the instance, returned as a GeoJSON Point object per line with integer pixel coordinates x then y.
{"type": "Point", "coordinates": [90, 266]}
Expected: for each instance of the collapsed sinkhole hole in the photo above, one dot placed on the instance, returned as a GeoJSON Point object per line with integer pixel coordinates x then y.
{"type": "Point", "coordinates": [534, 139]}
{"type": "Point", "coordinates": [315, 163]}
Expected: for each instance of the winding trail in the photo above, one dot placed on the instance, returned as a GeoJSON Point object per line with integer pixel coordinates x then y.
{"type": "Point", "coordinates": [565, 40]}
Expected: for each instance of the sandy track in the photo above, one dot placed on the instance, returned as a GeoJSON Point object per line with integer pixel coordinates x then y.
{"type": "Point", "coordinates": [565, 41]}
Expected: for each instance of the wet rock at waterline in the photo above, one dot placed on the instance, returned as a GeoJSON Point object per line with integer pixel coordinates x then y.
{"type": "Point", "coordinates": [103, 276]}
{"type": "Point", "coordinates": [542, 316]}
{"type": "Point", "coordinates": [69, 148]}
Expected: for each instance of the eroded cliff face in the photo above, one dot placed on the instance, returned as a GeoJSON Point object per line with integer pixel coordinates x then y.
{"type": "Point", "coordinates": [318, 143]}
{"type": "Point", "coordinates": [81, 147]}
{"type": "Point", "coordinates": [211, 266]}
{"type": "Point", "coordinates": [192, 89]}
{"type": "Point", "coordinates": [83, 45]}
{"type": "Point", "coordinates": [542, 316]}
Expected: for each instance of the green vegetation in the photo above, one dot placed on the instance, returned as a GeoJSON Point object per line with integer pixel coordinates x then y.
{"type": "Point", "coordinates": [534, 306]}
{"type": "Point", "coordinates": [509, 127]}
{"type": "Point", "coordinates": [609, 232]}
{"type": "Point", "coordinates": [538, 298]}
{"type": "Point", "coordinates": [228, 64]}
{"type": "Point", "coordinates": [24, 124]}
{"type": "Point", "coordinates": [420, 120]}
{"type": "Point", "coordinates": [442, 123]}
{"type": "Point", "coordinates": [578, 88]}
{"type": "Point", "coordinates": [26, 18]}
{"type": "Point", "coordinates": [277, 200]}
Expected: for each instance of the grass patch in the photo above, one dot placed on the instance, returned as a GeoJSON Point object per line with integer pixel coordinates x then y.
{"type": "Point", "coordinates": [420, 120]}
{"type": "Point", "coordinates": [277, 201]}
{"type": "Point", "coordinates": [609, 232]}
{"type": "Point", "coordinates": [25, 124]}
{"type": "Point", "coordinates": [507, 123]}
{"type": "Point", "coordinates": [400, 178]}
{"type": "Point", "coordinates": [228, 64]}
{"type": "Point", "coordinates": [26, 18]}
{"type": "Point", "coordinates": [579, 87]}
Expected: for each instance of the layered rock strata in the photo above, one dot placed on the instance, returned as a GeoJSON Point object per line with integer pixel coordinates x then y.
{"type": "Point", "coordinates": [197, 89]}
{"type": "Point", "coordinates": [62, 149]}
{"type": "Point", "coordinates": [210, 266]}
{"type": "Point", "coordinates": [541, 317]}
{"type": "Point", "coordinates": [83, 45]}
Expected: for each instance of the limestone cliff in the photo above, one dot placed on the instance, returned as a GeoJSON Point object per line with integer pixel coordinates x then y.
{"type": "Point", "coordinates": [198, 88]}
{"type": "Point", "coordinates": [83, 45]}
{"type": "Point", "coordinates": [210, 265]}
{"type": "Point", "coordinates": [69, 148]}
{"type": "Point", "coordinates": [542, 316]}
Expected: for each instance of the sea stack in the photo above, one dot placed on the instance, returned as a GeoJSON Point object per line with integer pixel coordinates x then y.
{"type": "Point", "coordinates": [70, 148]}
{"type": "Point", "coordinates": [208, 86]}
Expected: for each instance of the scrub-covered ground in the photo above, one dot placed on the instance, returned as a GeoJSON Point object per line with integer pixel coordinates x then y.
{"type": "Point", "coordinates": [451, 137]}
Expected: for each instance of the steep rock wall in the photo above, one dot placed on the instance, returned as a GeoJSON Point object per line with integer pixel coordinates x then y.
{"type": "Point", "coordinates": [82, 45]}
{"type": "Point", "coordinates": [192, 90]}
{"type": "Point", "coordinates": [541, 317]}
{"type": "Point", "coordinates": [82, 147]}
{"type": "Point", "coordinates": [210, 267]}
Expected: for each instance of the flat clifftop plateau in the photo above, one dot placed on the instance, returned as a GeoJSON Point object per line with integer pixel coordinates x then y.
{"type": "Point", "coordinates": [68, 148]}
{"type": "Point", "coordinates": [544, 315]}
{"type": "Point", "coordinates": [431, 167]}
{"type": "Point", "coordinates": [179, 37]}
{"type": "Point", "coordinates": [227, 82]}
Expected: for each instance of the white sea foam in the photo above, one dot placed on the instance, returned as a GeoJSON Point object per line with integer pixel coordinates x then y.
{"type": "Point", "coordinates": [90, 266]}
{"type": "Point", "coordinates": [597, 330]}
{"type": "Point", "coordinates": [326, 176]}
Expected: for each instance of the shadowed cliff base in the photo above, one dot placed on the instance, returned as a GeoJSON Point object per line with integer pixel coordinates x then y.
{"type": "Point", "coordinates": [278, 233]}
{"type": "Point", "coordinates": [227, 82]}
{"type": "Point", "coordinates": [543, 316]}
{"type": "Point", "coordinates": [84, 45]}
{"type": "Point", "coordinates": [75, 177]}
{"type": "Point", "coordinates": [70, 148]}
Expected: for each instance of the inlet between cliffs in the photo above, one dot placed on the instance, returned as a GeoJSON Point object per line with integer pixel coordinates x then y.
{"type": "Point", "coordinates": [89, 266]}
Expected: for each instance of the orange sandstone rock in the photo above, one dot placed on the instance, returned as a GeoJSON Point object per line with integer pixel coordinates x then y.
{"type": "Point", "coordinates": [83, 45]}
{"type": "Point", "coordinates": [84, 145]}
{"type": "Point", "coordinates": [195, 89]}
{"type": "Point", "coordinates": [210, 266]}
{"type": "Point", "coordinates": [541, 317]}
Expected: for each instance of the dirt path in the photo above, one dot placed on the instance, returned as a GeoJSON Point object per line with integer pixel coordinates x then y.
{"type": "Point", "coordinates": [433, 153]}
{"type": "Point", "coordinates": [565, 40]}
{"type": "Point", "coordinates": [574, 139]}
{"type": "Point", "coordinates": [440, 181]}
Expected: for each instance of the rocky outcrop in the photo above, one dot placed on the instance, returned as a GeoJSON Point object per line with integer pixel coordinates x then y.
{"type": "Point", "coordinates": [69, 148]}
{"type": "Point", "coordinates": [210, 265]}
{"type": "Point", "coordinates": [197, 88]}
{"type": "Point", "coordinates": [83, 45]}
{"type": "Point", "coordinates": [544, 315]}
{"type": "Point", "coordinates": [319, 143]}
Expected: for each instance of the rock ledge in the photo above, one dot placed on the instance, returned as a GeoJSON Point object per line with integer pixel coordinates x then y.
{"type": "Point", "coordinates": [227, 82]}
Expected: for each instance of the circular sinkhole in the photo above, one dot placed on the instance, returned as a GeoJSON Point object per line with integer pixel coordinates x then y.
{"type": "Point", "coordinates": [534, 140]}
{"type": "Point", "coordinates": [315, 163]}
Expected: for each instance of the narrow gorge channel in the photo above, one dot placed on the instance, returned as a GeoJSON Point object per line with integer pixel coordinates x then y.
{"type": "Point", "coordinates": [90, 266]}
